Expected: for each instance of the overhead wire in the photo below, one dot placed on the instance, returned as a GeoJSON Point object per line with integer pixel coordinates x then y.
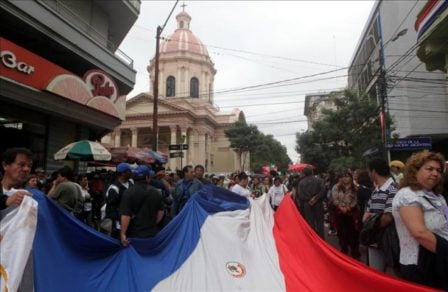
{"type": "Point", "coordinates": [244, 90]}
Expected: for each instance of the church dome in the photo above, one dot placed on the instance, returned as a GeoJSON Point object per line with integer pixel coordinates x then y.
{"type": "Point", "coordinates": [183, 40]}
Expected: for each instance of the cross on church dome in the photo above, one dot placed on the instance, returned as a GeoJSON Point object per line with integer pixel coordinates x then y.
{"type": "Point", "coordinates": [183, 39]}
{"type": "Point", "coordinates": [183, 20]}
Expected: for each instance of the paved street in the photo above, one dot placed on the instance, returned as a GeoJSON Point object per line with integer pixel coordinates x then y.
{"type": "Point", "coordinates": [333, 240]}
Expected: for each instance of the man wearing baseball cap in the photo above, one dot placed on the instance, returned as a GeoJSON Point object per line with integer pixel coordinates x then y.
{"type": "Point", "coordinates": [141, 207]}
{"type": "Point", "coordinates": [114, 194]}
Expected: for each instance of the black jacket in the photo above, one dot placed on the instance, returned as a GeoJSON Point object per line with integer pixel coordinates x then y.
{"type": "Point", "coordinates": [433, 267]}
{"type": "Point", "coordinates": [3, 199]}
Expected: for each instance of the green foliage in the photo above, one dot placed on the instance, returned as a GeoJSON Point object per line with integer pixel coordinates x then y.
{"type": "Point", "coordinates": [269, 151]}
{"type": "Point", "coordinates": [340, 137]}
{"type": "Point", "coordinates": [264, 149]}
{"type": "Point", "coordinates": [243, 138]}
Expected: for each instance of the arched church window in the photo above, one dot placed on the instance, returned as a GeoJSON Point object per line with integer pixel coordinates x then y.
{"type": "Point", "coordinates": [194, 87]}
{"type": "Point", "coordinates": [170, 86]}
{"type": "Point", "coordinates": [181, 24]}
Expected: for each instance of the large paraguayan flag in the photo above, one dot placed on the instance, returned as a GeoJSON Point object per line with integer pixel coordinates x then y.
{"type": "Point", "coordinates": [219, 242]}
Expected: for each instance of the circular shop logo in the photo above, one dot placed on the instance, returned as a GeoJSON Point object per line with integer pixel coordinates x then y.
{"type": "Point", "coordinates": [236, 269]}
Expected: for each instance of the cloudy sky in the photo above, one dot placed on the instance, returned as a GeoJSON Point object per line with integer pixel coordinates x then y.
{"type": "Point", "coordinates": [261, 42]}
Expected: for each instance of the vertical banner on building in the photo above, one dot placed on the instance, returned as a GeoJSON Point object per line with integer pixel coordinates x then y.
{"type": "Point", "coordinates": [17, 231]}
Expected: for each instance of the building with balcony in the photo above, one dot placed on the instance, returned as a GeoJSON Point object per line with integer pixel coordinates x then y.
{"type": "Point", "coordinates": [385, 66]}
{"type": "Point", "coordinates": [62, 77]}
{"type": "Point", "coordinates": [186, 113]}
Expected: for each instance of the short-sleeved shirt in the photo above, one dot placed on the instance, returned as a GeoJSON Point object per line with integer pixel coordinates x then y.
{"type": "Point", "coordinates": [141, 203]}
{"type": "Point", "coordinates": [381, 198]}
{"type": "Point", "coordinates": [433, 215]}
{"type": "Point", "coordinates": [69, 196]}
{"type": "Point", "coordinates": [276, 194]}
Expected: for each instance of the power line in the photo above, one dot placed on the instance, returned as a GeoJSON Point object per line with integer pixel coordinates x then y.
{"type": "Point", "coordinates": [280, 81]}
{"type": "Point", "coordinates": [249, 52]}
{"type": "Point", "coordinates": [266, 95]}
{"type": "Point", "coordinates": [281, 122]}
{"type": "Point", "coordinates": [259, 104]}
{"type": "Point", "coordinates": [318, 91]}
{"type": "Point", "coordinates": [271, 85]}
{"type": "Point", "coordinates": [270, 113]}
{"type": "Point", "coordinates": [415, 68]}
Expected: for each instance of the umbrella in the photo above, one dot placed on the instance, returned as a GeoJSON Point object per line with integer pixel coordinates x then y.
{"type": "Point", "coordinates": [131, 155]}
{"type": "Point", "coordinates": [299, 167]}
{"type": "Point", "coordinates": [158, 156]}
{"type": "Point", "coordinates": [83, 150]}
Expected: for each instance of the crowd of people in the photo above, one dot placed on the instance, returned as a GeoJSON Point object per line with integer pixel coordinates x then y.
{"type": "Point", "coordinates": [397, 211]}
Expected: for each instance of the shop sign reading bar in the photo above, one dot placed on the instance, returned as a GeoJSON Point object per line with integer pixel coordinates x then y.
{"type": "Point", "coordinates": [9, 59]}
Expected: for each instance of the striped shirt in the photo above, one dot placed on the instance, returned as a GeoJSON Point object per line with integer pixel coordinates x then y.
{"type": "Point", "coordinates": [381, 199]}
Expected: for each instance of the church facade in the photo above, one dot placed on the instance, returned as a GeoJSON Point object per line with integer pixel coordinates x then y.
{"type": "Point", "coordinates": [186, 112]}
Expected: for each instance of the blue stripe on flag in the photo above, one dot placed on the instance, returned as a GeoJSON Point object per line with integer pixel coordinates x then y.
{"type": "Point", "coordinates": [70, 256]}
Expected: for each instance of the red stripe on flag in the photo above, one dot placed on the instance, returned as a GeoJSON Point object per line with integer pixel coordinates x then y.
{"type": "Point", "coordinates": [309, 263]}
{"type": "Point", "coordinates": [424, 12]}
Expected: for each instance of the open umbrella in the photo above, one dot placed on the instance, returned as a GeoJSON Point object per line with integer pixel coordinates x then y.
{"type": "Point", "coordinates": [131, 155]}
{"type": "Point", "coordinates": [158, 156]}
{"type": "Point", "coordinates": [299, 167]}
{"type": "Point", "coordinates": [83, 150]}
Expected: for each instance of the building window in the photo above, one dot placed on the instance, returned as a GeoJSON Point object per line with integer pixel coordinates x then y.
{"type": "Point", "coordinates": [170, 86]}
{"type": "Point", "coordinates": [194, 87]}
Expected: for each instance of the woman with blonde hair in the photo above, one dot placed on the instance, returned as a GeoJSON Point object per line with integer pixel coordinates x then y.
{"type": "Point", "coordinates": [421, 218]}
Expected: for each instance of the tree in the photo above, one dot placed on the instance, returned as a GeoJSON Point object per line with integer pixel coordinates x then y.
{"type": "Point", "coordinates": [263, 149]}
{"type": "Point", "coordinates": [341, 136]}
{"type": "Point", "coordinates": [243, 139]}
{"type": "Point", "coordinates": [269, 151]}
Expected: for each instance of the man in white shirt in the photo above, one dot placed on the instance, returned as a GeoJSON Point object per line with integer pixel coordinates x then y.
{"type": "Point", "coordinates": [241, 188]}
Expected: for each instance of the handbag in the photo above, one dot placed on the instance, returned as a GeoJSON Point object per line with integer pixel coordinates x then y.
{"type": "Point", "coordinates": [370, 232]}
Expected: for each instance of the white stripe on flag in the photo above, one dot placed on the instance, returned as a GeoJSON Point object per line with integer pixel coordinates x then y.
{"type": "Point", "coordinates": [430, 14]}
{"type": "Point", "coordinates": [236, 252]}
{"type": "Point", "coordinates": [17, 229]}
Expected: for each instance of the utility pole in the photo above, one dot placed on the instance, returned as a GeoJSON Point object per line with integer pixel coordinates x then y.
{"type": "Point", "coordinates": [155, 126]}
{"type": "Point", "coordinates": [384, 113]}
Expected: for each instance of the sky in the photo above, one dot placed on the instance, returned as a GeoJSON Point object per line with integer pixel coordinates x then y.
{"type": "Point", "coordinates": [261, 42]}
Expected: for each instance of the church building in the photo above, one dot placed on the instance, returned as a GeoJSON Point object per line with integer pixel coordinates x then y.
{"type": "Point", "coordinates": [186, 112]}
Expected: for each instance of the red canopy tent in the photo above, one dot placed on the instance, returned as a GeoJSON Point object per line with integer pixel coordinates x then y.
{"type": "Point", "coordinates": [130, 155]}
{"type": "Point", "coordinates": [298, 167]}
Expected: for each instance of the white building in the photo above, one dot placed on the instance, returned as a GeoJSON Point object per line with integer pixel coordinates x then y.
{"type": "Point", "coordinates": [316, 102]}
{"type": "Point", "coordinates": [416, 99]}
